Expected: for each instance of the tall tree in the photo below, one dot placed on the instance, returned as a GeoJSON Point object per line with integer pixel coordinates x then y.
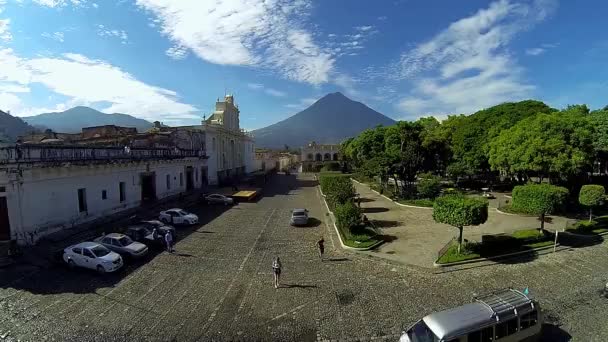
{"type": "Point", "coordinates": [403, 147]}
{"type": "Point", "coordinates": [547, 144]}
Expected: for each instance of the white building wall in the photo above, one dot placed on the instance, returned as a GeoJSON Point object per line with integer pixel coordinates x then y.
{"type": "Point", "coordinates": [249, 155]}
{"type": "Point", "coordinates": [213, 152]}
{"type": "Point", "coordinates": [46, 199]}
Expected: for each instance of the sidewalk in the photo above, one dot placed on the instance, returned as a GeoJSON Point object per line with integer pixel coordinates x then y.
{"type": "Point", "coordinates": [416, 237]}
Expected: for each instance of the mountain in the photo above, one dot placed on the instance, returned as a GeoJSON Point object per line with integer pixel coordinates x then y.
{"type": "Point", "coordinates": [11, 127]}
{"type": "Point", "coordinates": [74, 119]}
{"type": "Point", "coordinates": [330, 120]}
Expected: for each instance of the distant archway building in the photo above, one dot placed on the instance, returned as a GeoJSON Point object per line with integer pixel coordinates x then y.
{"type": "Point", "coordinates": [316, 155]}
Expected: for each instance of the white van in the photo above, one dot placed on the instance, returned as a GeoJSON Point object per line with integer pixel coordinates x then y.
{"type": "Point", "coordinates": [503, 316]}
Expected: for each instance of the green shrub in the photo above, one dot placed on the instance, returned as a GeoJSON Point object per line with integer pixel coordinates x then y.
{"type": "Point", "coordinates": [591, 195]}
{"type": "Point", "coordinates": [338, 189]}
{"type": "Point", "coordinates": [347, 215]}
{"type": "Point", "coordinates": [424, 202]}
{"type": "Point", "coordinates": [428, 186]}
{"type": "Point", "coordinates": [538, 199]}
{"type": "Point", "coordinates": [460, 211]}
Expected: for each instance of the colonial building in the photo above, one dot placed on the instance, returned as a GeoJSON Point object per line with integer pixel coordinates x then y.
{"type": "Point", "coordinates": [315, 155]}
{"type": "Point", "coordinates": [230, 148]}
{"type": "Point", "coordinates": [46, 187]}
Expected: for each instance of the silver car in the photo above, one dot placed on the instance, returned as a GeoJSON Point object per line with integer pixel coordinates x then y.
{"type": "Point", "coordinates": [299, 217]}
{"type": "Point", "coordinates": [123, 244]}
{"type": "Point", "coordinates": [219, 199]}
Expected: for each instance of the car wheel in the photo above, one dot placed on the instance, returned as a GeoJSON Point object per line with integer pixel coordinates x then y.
{"type": "Point", "coordinates": [100, 269]}
{"type": "Point", "coordinates": [71, 264]}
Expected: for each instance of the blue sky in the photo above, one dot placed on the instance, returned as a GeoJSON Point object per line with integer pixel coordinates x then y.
{"type": "Point", "coordinates": [170, 59]}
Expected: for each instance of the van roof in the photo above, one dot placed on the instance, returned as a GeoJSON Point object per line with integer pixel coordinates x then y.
{"type": "Point", "coordinates": [486, 310]}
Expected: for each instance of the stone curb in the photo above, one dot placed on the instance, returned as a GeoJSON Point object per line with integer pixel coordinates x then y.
{"type": "Point", "coordinates": [390, 199]}
{"type": "Point", "coordinates": [472, 261]}
{"type": "Point", "coordinates": [333, 219]}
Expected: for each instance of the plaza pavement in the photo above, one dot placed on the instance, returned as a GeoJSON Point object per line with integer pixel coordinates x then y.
{"type": "Point", "coordinates": [218, 286]}
{"type": "Point", "coordinates": [415, 238]}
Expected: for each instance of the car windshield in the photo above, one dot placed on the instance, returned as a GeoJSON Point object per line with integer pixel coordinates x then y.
{"type": "Point", "coordinates": [125, 241]}
{"type": "Point", "coordinates": [299, 213]}
{"type": "Point", "coordinates": [181, 212]}
{"type": "Point", "coordinates": [420, 332]}
{"type": "Point", "coordinates": [100, 251]}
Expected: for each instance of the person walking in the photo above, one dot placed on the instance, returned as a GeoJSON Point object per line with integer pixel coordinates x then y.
{"type": "Point", "coordinates": [321, 246]}
{"type": "Point", "coordinates": [169, 242]}
{"type": "Point", "coordinates": [276, 270]}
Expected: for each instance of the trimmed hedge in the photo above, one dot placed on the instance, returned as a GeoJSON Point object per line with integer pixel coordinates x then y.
{"type": "Point", "coordinates": [347, 215]}
{"type": "Point", "coordinates": [460, 211]}
{"type": "Point", "coordinates": [538, 199]}
{"type": "Point", "coordinates": [592, 195]}
{"type": "Point", "coordinates": [338, 188]}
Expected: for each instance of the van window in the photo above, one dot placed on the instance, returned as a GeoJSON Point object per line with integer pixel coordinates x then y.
{"type": "Point", "coordinates": [528, 320]}
{"type": "Point", "coordinates": [484, 335]}
{"type": "Point", "coordinates": [506, 328]}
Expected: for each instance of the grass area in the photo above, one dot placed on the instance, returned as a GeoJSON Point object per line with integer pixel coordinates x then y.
{"type": "Point", "coordinates": [425, 202]}
{"type": "Point", "coordinates": [597, 226]}
{"type": "Point", "coordinates": [494, 245]}
{"type": "Point", "coordinates": [359, 237]}
{"type": "Point", "coordinates": [509, 209]}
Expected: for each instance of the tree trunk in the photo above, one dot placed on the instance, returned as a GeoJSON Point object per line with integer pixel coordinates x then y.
{"type": "Point", "coordinates": [590, 214]}
{"type": "Point", "coordinates": [396, 185]}
{"type": "Point", "coordinates": [459, 239]}
{"type": "Point", "coordinates": [542, 223]}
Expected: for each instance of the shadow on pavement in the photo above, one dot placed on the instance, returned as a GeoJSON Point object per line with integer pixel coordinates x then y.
{"type": "Point", "coordinates": [553, 333]}
{"type": "Point", "coordinates": [388, 238]}
{"type": "Point", "coordinates": [374, 210]}
{"type": "Point", "coordinates": [290, 286]}
{"type": "Point", "coordinates": [366, 200]}
{"type": "Point", "coordinates": [312, 222]}
{"type": "Point", "coordinates": [337, 259]}
{"type": "Point", "coordinates": [386, 223]}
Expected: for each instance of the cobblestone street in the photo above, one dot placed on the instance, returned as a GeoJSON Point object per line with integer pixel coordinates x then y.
{"type": "Point", "coordinates": [218, 286]}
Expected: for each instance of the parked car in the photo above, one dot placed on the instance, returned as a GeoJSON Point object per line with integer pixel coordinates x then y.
{"type": "Point", "coordinates": [93, 256]}
{"type": "Point", "coordinates": [299, 217]}
{"type": "Point", "coordinates": [178, 216]}
{"type": "Point", "coordinates": [219, 199]}
{"type": "Point", "coordinates": [143, 231]}
{"type": "Point", "coordinates": [123, 245]}
{"type": "Point", "coordinates": [488, 195]}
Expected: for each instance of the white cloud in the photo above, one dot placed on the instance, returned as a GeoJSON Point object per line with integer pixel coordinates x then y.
{"type": "Point", "coordinates": [363, 28]}
{"type": "Point", "coordinates": [5, 33]}
{"type": "Point", "coordinates": [382, 18]}
{"type": "Point", "coordinates": [269, 91]}
{"type": "Point", "coordinates": [10, 87]}
{"type": "Point", "coordinates": [466, 66]}
{"type": "Point", "coordinates": [59, 3]}
{"type": "Point", "coordinates": [348, 84]}
{"type": "Point", "coordinates": [177, 52]}
{"type": "Point", "coordinates": [535, 51]}
{"type": "Point", "coordinates": [58, 36]}
{"type": "Point", "coordinates": [256, 33]}
{"type": "Point", "coordinates": [95, 5]}
{"type": "Point", "coordinates": [274, 92]}
{"type": "Point", "coordinates": [70, 75]}
{"type": "Point", "coordinates": [120, 34]}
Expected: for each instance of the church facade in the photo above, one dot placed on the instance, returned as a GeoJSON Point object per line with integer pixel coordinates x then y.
{"type": "Point", "coordinates": [230, 149]}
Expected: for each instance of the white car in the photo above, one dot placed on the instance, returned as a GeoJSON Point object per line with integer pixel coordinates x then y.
{"type": "Point", "coordinates": [177, 216]}
{"type": "Point", "coordinates": [219, 199]}
{"type": "Point", "coordinates": [123, 245]}
{"type": "Point", "coordinates": [92, 255]}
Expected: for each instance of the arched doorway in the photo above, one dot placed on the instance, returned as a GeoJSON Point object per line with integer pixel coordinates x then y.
{"type": "Point", "coordinates": [310, 156]}
{"type": "Point", "coordinates": [319, 157]}
{"type": "Point", "coordinates": [335, 157]}
{"type": "Point", "coordinates": [327, 156]}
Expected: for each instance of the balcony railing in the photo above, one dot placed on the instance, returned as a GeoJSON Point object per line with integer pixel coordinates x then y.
{"type": "Point", "coordinates": [31, 153]}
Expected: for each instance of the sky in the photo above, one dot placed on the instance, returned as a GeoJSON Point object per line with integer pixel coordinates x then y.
{"type": "Point", "coordinates": [170, 60]}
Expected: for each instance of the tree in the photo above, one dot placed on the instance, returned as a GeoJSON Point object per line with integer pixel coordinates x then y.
{"type": "Point", "coordinates": [347, 215]}
{"type": "Point", "coordinates": [403, 147]}
{"type": "Point", "coordinates": [428, 186]}
{"type": "Point", "coordinates": [591, 195]}
{"type": "Point", "coordinates": [557, 144]}
{"type": "Point", "coordinates": [460, 211]}
{"type": "Point", "coordinates": [538, 199]}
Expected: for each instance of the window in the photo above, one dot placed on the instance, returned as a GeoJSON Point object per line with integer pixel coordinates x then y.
{"type": "Point", "coordinates": [88, 253]}
{"type": "Point", "coordinates": [77, 250]}
{"type": "Point", "coordinates": [181, 179]}
{"type": "Point", "coordinates": [104, 195]}
{"type": "Point", "coordinates": [195, 175]}
{"type": "Point", "coordinates": [168, 182]}
{"type": "Point", "coordinates": [82, 200]}
{"type": "Point", "coordinates": [122, 188]}
{"type": "Point", "coordinates": [213, 143]}
{"type": "Point", "coordinates": [484, 335]}
{"type": "Point", "coordinates": [528, 320]}
{"type": "Point", "coordinates": [506, 328]}
{"type": "Point", "coordinates": [107, 240]}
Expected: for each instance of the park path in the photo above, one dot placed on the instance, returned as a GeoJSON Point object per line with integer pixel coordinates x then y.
{"type": "Point", "coordinates": [413, 237]}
